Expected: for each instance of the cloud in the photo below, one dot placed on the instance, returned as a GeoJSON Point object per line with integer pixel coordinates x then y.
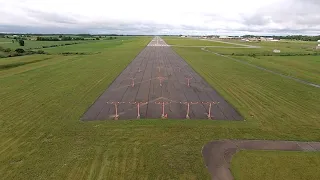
{"type": "Point", "coordinates": [165, 17]}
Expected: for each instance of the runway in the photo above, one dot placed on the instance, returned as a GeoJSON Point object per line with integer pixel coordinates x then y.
{"type": "Point", "coordinates": [160, 84]}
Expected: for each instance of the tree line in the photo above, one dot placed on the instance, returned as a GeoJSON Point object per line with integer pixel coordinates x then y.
{"type": "Point", "coordinates": [60, 38]}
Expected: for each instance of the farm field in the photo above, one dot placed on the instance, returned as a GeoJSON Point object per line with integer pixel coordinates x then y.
{"type": "Point", "coordinates": [42, 102]}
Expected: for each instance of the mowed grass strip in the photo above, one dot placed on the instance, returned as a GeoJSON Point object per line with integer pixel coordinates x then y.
{"type": "Point", "coordinates": [266, 165]}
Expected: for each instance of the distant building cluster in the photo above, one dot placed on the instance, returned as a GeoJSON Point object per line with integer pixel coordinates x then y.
{"type": "Point", "coordinates": [242, 38]}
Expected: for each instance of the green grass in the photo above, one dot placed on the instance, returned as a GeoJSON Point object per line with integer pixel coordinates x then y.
{"type": "Point", "coordinates": [29, 44]}
{"type": "Point", "coordinates": [265, 165]}
{"type": "Point", "coordinates": [266, 98]}
{"type": "Point", "coordinates": [268, 47]}
{"type": "Point", "coordinates": [193, 42]}
{"type": "Point", "coordinates": [92, 47]}
{"type": "Point", "coordinates": [284, 46]}
{"type": "Point", "coordinates": [303, 67]}
{"type": "Point", "coordinates": [41, 104]}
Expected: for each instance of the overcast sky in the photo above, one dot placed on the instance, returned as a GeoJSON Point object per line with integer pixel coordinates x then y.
{"type": "Point", "coordinates": [191, 17]}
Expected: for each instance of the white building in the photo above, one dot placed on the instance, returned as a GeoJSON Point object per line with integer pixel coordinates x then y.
{"type": "Point", "coordinates": [263, 39]}
{"type": "Point", "coordinates": [318, 41]}
{"type": "Point", "coordinates": [223, 37]}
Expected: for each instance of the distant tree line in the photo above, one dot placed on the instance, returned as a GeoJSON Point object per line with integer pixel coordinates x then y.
{"type": "Point", "coordinates": [301, 38]}
{"type": "Point", "coordinates": [60, 38]}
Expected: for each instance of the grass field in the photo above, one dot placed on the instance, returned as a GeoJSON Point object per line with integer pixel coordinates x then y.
{"type": "Point", "coordinates": [7, 43]}
{"type": "Point", "coordinates": [302, 67]}
{"type": "Point", "coordinates": [298, 60]}
{"type": "Point", "coordinates": [270, 95]}
{"type": "Point", "coordinates": [255, 165]}
{"type": "Point", "coordinates": [193, 42]}
{"type": "Point", "coordinates": [93, 47]}
{"type": "Point", "coordinates": [42, 102]}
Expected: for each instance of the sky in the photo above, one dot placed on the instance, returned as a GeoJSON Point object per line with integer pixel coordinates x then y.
{"type": "Point", "coordinates": [149, 17]}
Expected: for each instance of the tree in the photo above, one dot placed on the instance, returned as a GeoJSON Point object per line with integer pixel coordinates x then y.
{"type": "Point", "coordinates": [21, 42]}
{"type": "Point", "coordinates": [97, 38]}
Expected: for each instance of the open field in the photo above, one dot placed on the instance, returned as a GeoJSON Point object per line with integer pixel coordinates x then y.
{"type": "Point", "coordinates": [42, 102]}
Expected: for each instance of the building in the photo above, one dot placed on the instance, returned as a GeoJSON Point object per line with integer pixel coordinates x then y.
{"type": "Point", "coordinates": [318, 41]}
{"type": "Point", "coordinates": [263, 39]}
{"type": "Point", "coordinates": [318, 47]}
{"type": "Point", "coordinates": [223, 37]}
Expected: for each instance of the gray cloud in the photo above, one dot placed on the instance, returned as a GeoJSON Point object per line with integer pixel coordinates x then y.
{"type": "Point", "coordinates": [50, 17]}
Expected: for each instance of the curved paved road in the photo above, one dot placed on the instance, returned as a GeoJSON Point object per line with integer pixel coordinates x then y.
{"type": "Point", "coordinates": [218, 154]}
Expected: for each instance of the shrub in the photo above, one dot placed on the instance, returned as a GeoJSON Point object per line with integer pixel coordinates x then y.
{"type": "Point", "coordinates": [29, 52]}
{"type": "Point", "coordinates": [2, 56]}
{"type": "Point", "coordinates": [19, 50]}
{"type": "Point", "coordinates": [7, 50]}
{"type": "Point", "coordinates": [40, 52]}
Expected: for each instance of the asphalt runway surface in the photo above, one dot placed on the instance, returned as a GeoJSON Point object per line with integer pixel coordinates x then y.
{"type": "Point", "coordinates": [218, 154]}
{"type": "Point", "coordinates": [155, 85]}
